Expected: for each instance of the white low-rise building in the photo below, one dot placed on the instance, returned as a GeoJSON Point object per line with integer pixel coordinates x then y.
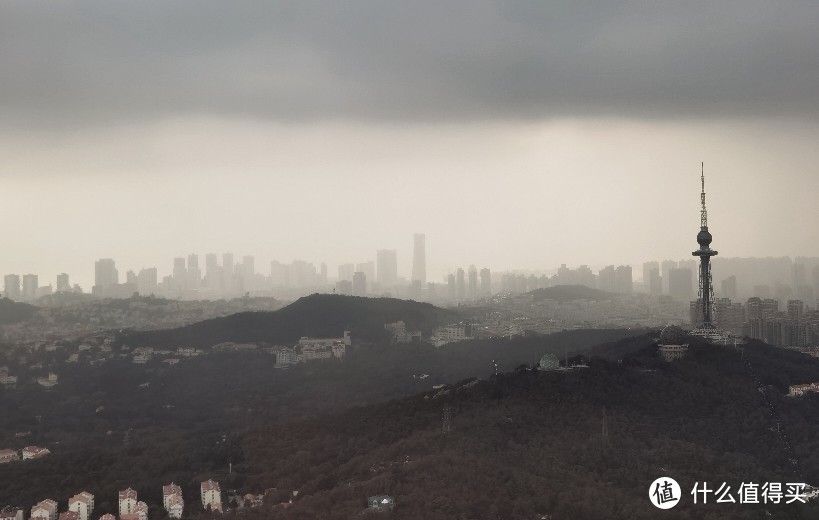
{"type": "Point", "coordinates": [127, 501]}
{"type": "Point", "coordinates": [35, 452]}
{"type": "Point", "coordinates": [82, 504]}
{"type": "Point", "coordinates": [11, 513]}
{"type": "Point", "coordinates": [211, 495]}
{"type": "Point", "coordinates": [45, 510]}
{"type": "Point", "coordinates": [8, 456]}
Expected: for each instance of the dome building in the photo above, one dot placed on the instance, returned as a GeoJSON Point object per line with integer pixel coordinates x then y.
{"type": "Point", "coordinates": [672, 343]}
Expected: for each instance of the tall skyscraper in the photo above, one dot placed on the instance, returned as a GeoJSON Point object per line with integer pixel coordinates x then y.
{"type": "Point", "coordinates": [213, 275]}
{"type": "Point", "coordinates": [227, 272]}
{"type": "Point", "coordinates": [146, 281]}
{"type": "Point", "coordinates": [623, 282]}
{"type": "Point", "coordinates": [605, 279]}
{"type": "Point", "coordinates": [665, 267]}
{"type": "Point", "coordinates": [473, 282]}
{"type": "Point", "coordinates": [180, 273]}
{"type": "Point", "coordinates": [11, 289]}
{"type": "Point", "coordinates": [30, 285]}
{"type": "Point", "coordinates": [486, 282]}
{"type": "Point", "coordinates": [63, 285]}
{"type": "Point", "coordinates": [729, 288]}
{"type": "Point", "coordinates": [387, 267]}
{"type": "Point", "coordinates": [705, 299]}
{"type": "Point", "coordinates": [647, 268]}
{"type": "Point", "coordinates": [460, 284]}
{"type": "Point", "coordinates": [359, 284]}
{"type": "Point", "coordinates": [368, 268]}
{"type": "Point", "coordinates": [105, 275]}
{"type": "Point", "coordinates": [194, 273]}
{"type": "Point", "coordinates": [419, 259]}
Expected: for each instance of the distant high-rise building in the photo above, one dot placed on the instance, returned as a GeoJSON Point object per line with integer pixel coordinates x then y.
{"type": "Point", "coordinates": [131, 277]}
{"type": "Point", "coordinates": [63, 285]}
{"type": "Point", "coordinates": [194, 273]}
{"type": "Point", "coordinates": [323, 275]}
{"type": "Point", "coordinates": [213, 273]}
{"type": "Point", "coordinates": [655, 283]}
{"type": "Point", "coordinates": [227, 271]}
{"type": "Point", "coordinates": [472, 291]}
{"type": "Point", "coordinates": [180, 273]}
{"type": "Point", "coordinates": [368, 268]}
{"type": "Point", "coordinates": [279, 274]}
{"type": "Point", "coordinates": [344, 287]}
{"type": "Point", "coordinates": [486, 282]}
{"type": "Point", "coordinates": [680, 285]}
{"type": "Point", "coordinates": [11, 289]}
{"type": "Point", "coordinates": [665, 267]}
{"type": "Point", "coordinates": [460, 284]}
{"type": "Point", "coordinates": [729, 288]}
{"type": "Point", "coordinates": [106, 276]}
{"type": "Point", "coordinates": [359, 284]}
{"type": "Point", "coordinates": [647, 268]}
{"type": "Point", "coordinates": [387, 265]}
{"type": "Point", "coordinates": [302, 274]}
{"type": "Point", "coordinates": [345, 272]}
{"type": "Point", "coordinates": [30, 286]}
{"type": "Point", "coordinates": [605, 279]}
{"type": "Point", "coordinates": [419, 259]}
{"type": "Point", "coordinates": [146, 281]}
{"type": "Point", "coordinates": [796, 309]}
{"type": "Point", "coordinates": [623, 282]}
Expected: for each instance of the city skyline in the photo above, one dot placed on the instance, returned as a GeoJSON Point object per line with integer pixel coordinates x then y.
{"type": "Point", "coordinates": [542, 146]}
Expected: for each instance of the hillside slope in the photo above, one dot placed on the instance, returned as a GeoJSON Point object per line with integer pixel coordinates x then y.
{"type": "Point", "coordinates": [531, 444]}
{"type": "Point", "coordinates": [318, 315]}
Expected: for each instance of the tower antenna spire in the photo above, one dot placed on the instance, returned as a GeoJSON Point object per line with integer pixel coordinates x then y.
{"type": "Point", "coordinates": [704, 212]}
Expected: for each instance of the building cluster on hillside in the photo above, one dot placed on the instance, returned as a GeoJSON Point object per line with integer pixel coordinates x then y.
{"type": "Point", "coordinates": [399, 333]}
{"type": "Point", "coordinates": [310, 349]}
{"type": "Point", "coordinates": [27, 453]}
{"type": "Point", "coordinates": [129, 507]}
{"type": "Point", "coordinates": [76, 316]}
{"type": "Point", "coordinates": [797, 390]}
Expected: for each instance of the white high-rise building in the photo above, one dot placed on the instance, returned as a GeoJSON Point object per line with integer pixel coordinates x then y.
{"type": "Point", "coordinates": [419, 259]}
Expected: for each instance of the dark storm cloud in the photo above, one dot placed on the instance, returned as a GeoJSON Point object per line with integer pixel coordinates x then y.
{"type": "Point", "coordinates": [78, 62]}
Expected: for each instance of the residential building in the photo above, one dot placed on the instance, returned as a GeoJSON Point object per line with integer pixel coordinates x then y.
{"type": "Point", "coordinates": [8, 456]}
{"type": "Point", "coordinates": [30, 285]}
{"type": "Point", "coordinates": [11, 288]}
{"type": "Point", "coordinates": [11, 513]}
{"type": "Point", "coordinates": [359, 284]}
{"type": "Point", "coordinates": [45, 510]}
{"type": "Point", "coordinates": [141, 510]}
{"type": "Point", "coordinates": [127, 502]}
{"type": "Point", "coordinates": [82, 504]}
{"type": "Point", "coordinates": [211, 495]}
{"type": "Point", "coordinates": [34, 452]}
{"type": "Point", "coordinates": [486, 282]}
{"type": "Point", "coordinates": [69, 515]}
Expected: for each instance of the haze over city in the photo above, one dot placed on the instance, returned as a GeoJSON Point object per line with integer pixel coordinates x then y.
{"type": "Point", "coordinates": [323, 133]}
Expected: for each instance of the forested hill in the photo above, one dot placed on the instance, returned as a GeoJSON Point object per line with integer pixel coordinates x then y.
{"type": "Point", "coordinates": [581, 444]}
{"type": "Point", "coordinates": [571, 292]}
{"type": "Point", "coordinates": [317, 315]}
{"type": "Point", "coordinates": [13, 312]}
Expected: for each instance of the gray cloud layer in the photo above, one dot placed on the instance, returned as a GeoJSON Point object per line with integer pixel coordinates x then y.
{"type": "Point", "coordinates": [103, 61]}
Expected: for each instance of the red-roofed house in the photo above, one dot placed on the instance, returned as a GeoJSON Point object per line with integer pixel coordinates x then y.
{"type": "Point", "coordinates": [211, 495]}
{"type": "Point", "coordinates": [69, 515]}
{"type": "Point", "coordinates": [45, 510]}
{"type": "Point", "coordinates": [141, 509]}
{"type": "Point", "coordinates": [129, 516]}
{"type": "Point", "coordinates": [82, 504]}
{"type": "Point", "coordinates": [8, 456]}
{"type": "Point", "coordinates": [34, 452]}
{"type": "Point", "coordinates": [127, 502]}
{"type": "Point", "coordinates": [11, 513]}
{"type": "Point", "coordinates": [172, 500]}
{"type": "Point", "coordinates": [108, 516]}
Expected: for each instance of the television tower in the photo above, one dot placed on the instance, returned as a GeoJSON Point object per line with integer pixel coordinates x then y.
{"type": "Point", "coordinates": [705, 299]}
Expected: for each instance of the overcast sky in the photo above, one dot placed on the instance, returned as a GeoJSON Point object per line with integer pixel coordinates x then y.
{"type": "Point", "coordinates": [514, 134]}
